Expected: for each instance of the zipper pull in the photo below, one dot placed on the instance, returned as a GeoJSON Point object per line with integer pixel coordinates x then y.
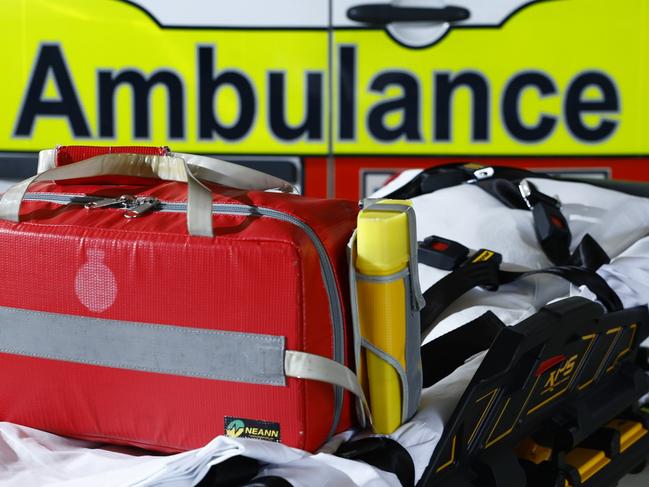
{"type": "Point", "coordinates": [141, 206]}
{"type": "Point", "coordinates": [124, 200]}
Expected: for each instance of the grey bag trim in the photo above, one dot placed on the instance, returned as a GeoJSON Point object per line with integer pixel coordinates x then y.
{"type": "Point", "coordinates": [413, 360]}
{"type": "Point", "coordinates": [398, 276]}
{"type": "Point", "coordinates": [356, 330]}
{"type": "Point", "coordinates": [412, 376]}
{"type": "Point", "coordinates": [394, 363]}
{"type": "Point", "coordinates": [165, 349]}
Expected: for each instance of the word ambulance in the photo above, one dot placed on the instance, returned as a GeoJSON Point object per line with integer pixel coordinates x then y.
{"type": "Point", "coordinates": [590, 102]}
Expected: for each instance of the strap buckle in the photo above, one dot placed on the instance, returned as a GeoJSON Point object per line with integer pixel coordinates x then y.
{"type": "Point", "coordinates": [449, 255]}
{"type": "Point", "coordinates": [477, 172]}
{"type": "Point", "coordinates": [550, 226]}
{"type": "Point", "coordinates": [486, 255]}
{"type": "Point", "coordinates": [441, 253]}
{"type": "Point", "coordinates": [483, 173]}
{"type": "Point", "coordinates": [532, 196]}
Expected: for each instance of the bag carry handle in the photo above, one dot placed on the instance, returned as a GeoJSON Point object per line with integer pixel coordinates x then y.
{"type": "Point", "coordinates": [170, 168]}
{"type": "Point", "coordinates": [230, 174]}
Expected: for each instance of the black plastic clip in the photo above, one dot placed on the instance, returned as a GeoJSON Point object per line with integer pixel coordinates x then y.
{"type": "Point", "coordinates": [486, 255]}
{"type": "Point", "coordinates": [442, 253]}
{"type": "Point", "coordinates": [550, 226]}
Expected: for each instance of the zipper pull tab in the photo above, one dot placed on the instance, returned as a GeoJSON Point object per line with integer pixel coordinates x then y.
{"type": "Point", "coordinates": [141, 206]}
{"type": "Point", "coordinates": [124, 200]}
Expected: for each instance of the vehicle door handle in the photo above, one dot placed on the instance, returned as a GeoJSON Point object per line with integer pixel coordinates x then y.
{"type": "Point", "coordinates": [381, 13]}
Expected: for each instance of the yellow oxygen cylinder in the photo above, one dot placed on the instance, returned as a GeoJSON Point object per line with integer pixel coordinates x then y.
{"type": "Point", "coordinates": [383, 253]}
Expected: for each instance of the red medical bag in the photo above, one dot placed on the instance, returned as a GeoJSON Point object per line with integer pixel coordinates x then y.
{"type": "Point", "coordinates": [163, 311]}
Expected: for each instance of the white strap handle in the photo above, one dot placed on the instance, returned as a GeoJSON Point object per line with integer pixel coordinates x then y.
{"type": "Point", "coordinates": [304, 365]}
{"type": "Point", "coordinates": [199, 197]}
{"type": "Point", "coordinates": [229, 174]}
{"type": "Point", "coordinates": [234, 175]}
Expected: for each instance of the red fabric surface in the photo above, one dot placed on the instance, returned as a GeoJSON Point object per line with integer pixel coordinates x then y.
{"type": "Point", "coordinates": [67, 154]}
{"type": "Point", "coordinates": [257, 275]}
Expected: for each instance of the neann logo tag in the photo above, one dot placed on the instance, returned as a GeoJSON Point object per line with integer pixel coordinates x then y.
{"type": "Point", "coordinates": [251, 428]}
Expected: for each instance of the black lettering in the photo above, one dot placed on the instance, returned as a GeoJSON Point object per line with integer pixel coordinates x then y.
{"type": "Point", "coordinates": [208, 85]}
{"type": "Point", "coordinates": [141, 88]}
{"type": "Point", "coordinates": [511, 107]}
{"type": "Point", "coordinates": [347, 93]}
{"type": "Point", "coordinates": [311, 125]}
{"type": "Point", "coordinates": [50, 60]}
{"type": "Point", "coordinates": [576, 106]}
{"type": "Point", "coordinates": [444, 89]}
{"type": "Point", "coordinates": [408, 104]}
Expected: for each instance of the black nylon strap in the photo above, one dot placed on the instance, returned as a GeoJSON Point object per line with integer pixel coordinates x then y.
{"type": "Point", "coordinates": [550, 226]}
{"type": "Point", "coordinates": [449, 175]}
{"type": "Point", "coordinates": [240, 471]}
{"type": "Point", "coordinates": [234, 471]}
{"type": "Point", "coordinates": [431, 180]}
{"type": "Point", "coordinates": [268, 481]}
{"type": "Point", "coordinates": [589, 254]}
{"type": "Point", "coordinates": [384, 453]}
{"type": "Point", "coordinates": [552, 232]}
{"type": "Point", "coordinates": [452, 286]}
{"type": "Point", "coordinates": [443, 355]}
{"type": "Point", "coordinates": [577, 276]}
{"type": "Point", "coordinates": [488, 275]}
{"type": "Point", "coordinates": [504, 191]}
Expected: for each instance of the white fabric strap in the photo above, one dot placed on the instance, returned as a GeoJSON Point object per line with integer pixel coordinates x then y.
{"type": "Point", "coordinates": [46, 160]}
{"type": "Point", "coordinates": [199, 197]}
{"type": "Point", "coordinates": [234, 175]}
{"type": "Point", "coordinates": [207, 169]}
{"type": "Point", "coordinates": [304, 365]}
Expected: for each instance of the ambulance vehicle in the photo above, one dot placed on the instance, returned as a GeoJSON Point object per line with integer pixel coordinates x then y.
{"type": "Point", "coordinates": [334, 95]}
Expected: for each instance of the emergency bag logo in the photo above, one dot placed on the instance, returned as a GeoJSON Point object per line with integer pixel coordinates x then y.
{"type": "Point", "coordinates": [95, 284]}
{"type": "Point", "coordinates": [235, 428]}
{"type": "Point", "coordinates": [251, 428]}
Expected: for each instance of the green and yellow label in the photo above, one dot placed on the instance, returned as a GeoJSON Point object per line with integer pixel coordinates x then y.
{"type": "Point", "coordinates": [251, 428]}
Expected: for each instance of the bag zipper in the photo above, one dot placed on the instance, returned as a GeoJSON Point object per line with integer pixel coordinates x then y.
{"type": "Point", "coordinates": [136, 206]}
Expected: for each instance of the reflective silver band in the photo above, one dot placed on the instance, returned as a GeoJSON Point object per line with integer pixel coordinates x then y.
{"type": "Point", "coordinates": [398, 276]}
{"type": "Point", "coordinates": [165, 349]}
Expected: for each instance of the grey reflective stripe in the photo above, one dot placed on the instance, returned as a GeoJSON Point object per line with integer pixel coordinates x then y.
{"type": "Point", "coordinates": [397, 276]}
{"type": "Point", "coordinates": [413, 359]}
{"type": "Point", "coordinates": [351, 259]}
{"type": "Point", "coordinates": [415, 288]}
{"type": "Point", "coordinates": [378, 206]}
{"type": "Point", "coordinates": [165, 349]}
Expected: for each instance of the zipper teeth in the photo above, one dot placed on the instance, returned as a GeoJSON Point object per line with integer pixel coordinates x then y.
{"type": "Point", "coordinates": [237, 209]}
